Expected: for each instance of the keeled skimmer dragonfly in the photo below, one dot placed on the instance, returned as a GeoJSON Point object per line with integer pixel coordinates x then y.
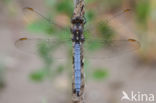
{"type": "Point", "coordinates": [110, 48]}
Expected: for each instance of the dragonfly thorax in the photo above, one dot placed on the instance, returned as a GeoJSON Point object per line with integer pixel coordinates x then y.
{"type": "Point", "coordinates": [77, 29]}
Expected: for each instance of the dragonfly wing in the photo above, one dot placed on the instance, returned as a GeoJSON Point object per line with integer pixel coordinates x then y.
{"type": "Point", "coordinates": [32, 15]}
{"type": "Point", "coordinates": [107, 49]}
{"type": "Point", "coordinates": [52, 47]}
{"type": "Point", "coordinates": [106, 25]}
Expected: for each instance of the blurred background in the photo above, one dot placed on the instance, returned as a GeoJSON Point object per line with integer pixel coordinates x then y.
{"type": "Point", "coordinates": [40, 78]}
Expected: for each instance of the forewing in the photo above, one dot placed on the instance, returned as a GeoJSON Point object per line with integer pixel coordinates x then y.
{"type": "Point", "coordinates": [108, 24]}
{"type": "Point", "coordinates": [31, 15]}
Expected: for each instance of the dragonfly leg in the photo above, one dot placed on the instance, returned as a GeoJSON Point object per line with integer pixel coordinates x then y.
{"type": "Point", "coordinates": [85, 20]}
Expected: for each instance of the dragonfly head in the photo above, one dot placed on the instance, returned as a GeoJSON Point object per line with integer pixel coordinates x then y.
{"type": "Point", "coordinates": [78, 19]}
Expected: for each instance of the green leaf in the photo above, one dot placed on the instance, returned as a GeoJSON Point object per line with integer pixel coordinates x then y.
{"type": "Point", "coordinates": [87, 34]}
{"type": "Point", "coordinates": [50, 2]}
{"type": "Point", "coordinates": [40, 26]}
{"type": "Point", "coordinates": [142, 11]}
{"type": "Point", "coordinates": [45, 50]}
{"type": "Point", "coordinates": [60, 69]}
{"type": "Point", "coordinates": [106, 31]}
{"type": "Point", "coordinates": [90, 15]}
{"type": "Point", "coordinates": [93, 46]}
{"type": "Point", "coordinates": [65, 6]}
{"type": "Point", "coordinates": [100, 74]}
{"type": "Point", "coordinates": [2, 75]}
{"type": "Point", "coordinates": [38, 76]}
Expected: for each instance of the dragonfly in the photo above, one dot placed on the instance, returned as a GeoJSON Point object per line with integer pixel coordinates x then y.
{"type": "Point", "coordinates": [79, 43]}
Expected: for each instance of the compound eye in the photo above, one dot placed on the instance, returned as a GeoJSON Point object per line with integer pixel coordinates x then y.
{"type": "Point", "coordinates": [80, 21]}
{"type": "Point", "coordinates": [73, 20]}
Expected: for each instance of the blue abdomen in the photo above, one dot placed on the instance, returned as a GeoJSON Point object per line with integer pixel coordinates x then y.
{"type": "Point", "coordinates": [77, 67]}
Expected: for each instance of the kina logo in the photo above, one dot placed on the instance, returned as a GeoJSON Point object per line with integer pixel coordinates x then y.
{"type": "Point", "coordinates": [137, 97]}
